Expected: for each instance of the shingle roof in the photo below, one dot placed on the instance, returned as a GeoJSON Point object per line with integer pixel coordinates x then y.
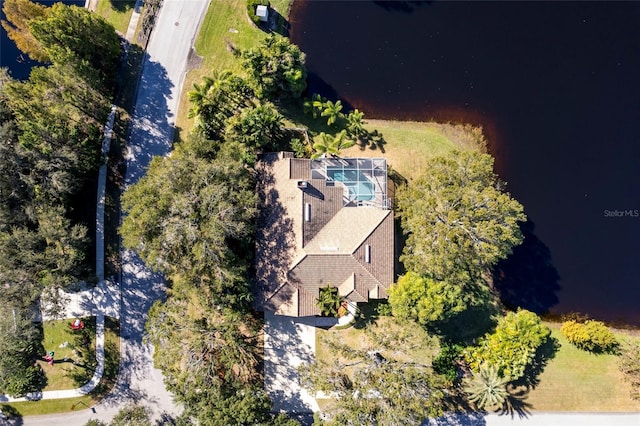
{"type": "Point", "coordinates": [295, 258]}
{"type": "Point", "coordinates": [346, 231]}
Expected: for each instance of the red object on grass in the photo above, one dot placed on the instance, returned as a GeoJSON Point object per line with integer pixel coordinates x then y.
{"type": "Point", "coordinates": [77, 325]}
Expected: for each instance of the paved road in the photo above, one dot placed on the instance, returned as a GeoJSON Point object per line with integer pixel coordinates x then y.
{"type": "Point", "coordinates": [152, 134]}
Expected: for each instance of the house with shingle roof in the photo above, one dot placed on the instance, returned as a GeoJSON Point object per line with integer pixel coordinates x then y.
{"type": "Point", "coordinates": [322, 222]}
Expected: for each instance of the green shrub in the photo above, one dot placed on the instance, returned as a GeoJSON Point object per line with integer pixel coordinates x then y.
{"type": "Point", "coordinates": [251, 9]}
{"type": "Point", "coordinates": [384, 309]}
{"type": "Point", "coordinates": [629, 365]}
{"type": "Point", "coordinates": [299, 148]}
{"type": "Point", "coordinates": [592, 336]}
{"type": "Point", "coordinates": [512, 346]}
{"type": "Point", "coordinates": [445, 362]}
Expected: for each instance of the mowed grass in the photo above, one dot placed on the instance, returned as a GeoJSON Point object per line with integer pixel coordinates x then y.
{"type": "Point", "coordinates": [225, 27]}
{"type": "Point", "coordinates": [576, 380]}
{"type": "Point", "coordinates": [119, 16]}
{"type": "Point", "coordinates": [68, 346]}
{"type": "Point", "coordinates": [410, 144]}
{"type": "Point", "coordinates": [51, 406]}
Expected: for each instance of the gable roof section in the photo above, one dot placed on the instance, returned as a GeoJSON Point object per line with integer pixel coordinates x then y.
{"type": "Point", "coordinates": [346, 231]}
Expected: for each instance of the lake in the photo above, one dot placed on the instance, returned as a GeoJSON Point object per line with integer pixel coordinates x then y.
{"type": "Point", "coordinates": [555, 86]}
{"type": "Point", "coordinates": [18, 63]}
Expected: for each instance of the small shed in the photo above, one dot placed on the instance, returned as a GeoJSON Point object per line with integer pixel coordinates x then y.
{"type": "Point", "coordinates": [262, 12]}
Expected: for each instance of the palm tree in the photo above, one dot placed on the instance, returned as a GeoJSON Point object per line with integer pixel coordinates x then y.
{"type": "Point", "coordinates": [332, 146]}
{"type": "Point", "coordinates": [332, 111]}
{"type": "Point", "coordinates": [314, 105]}
{"type": "Point", "coordinates": [198, 95]}
{"type": "Point", "coordinates": [487, 388]}
{"type": "Point", "coordinates": [328, 301]}
{"type": "Point", "coordinates": [355, 123]}
{"type": "Point", "coordinates": [210, 87]}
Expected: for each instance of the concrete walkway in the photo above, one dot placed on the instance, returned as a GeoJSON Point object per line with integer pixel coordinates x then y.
{"type": "Point", "coordinates": [288, 342]}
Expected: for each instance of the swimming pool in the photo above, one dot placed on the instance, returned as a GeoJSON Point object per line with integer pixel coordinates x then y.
{"type": "Point", "coordinates": [359, 187]}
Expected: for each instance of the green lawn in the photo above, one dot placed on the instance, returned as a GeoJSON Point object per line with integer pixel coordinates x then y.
{"type": "Point", "coordinates": [409, 144]}
{"type": "Point", "coordinates": [576, 380]}
{"type": "Point", "coordinates": [112, 359]}
{"type": "Point", "coordinates": [573, 380]}
{"type": "Point", "coordinates": [69, 347]}
{"type": "Point", "coordinates": [119, 16]}
{"type": "Point", "coordinates": [225, 27]}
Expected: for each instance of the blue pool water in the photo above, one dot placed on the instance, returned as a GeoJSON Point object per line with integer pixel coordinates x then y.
{"type": "Point", "coordinates": [360, 189]}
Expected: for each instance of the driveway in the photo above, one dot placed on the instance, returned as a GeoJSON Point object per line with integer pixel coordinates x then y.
{"type": "Point", "coordinates": [288, 342]}
{"type": "Point", "coordinates": [151, 135]}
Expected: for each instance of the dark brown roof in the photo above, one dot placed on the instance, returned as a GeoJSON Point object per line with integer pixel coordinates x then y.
{"type": "Point", "coordinates": [300, 168]}
{"type": "Point", "coordinates": [325, 202]}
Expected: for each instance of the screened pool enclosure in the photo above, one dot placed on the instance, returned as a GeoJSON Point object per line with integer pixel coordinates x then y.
{"type": "Point", "coordinates": [364, 179]}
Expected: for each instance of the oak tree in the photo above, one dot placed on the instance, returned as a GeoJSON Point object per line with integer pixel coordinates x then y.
{"type": "Point", "coordinates": [458, 219]}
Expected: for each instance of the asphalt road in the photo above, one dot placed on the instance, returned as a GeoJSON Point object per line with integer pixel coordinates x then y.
{"type": "Point", "coordinates": [151, 134]}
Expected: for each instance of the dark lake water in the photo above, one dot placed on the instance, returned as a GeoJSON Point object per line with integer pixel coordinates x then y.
{"type": "Point", "coordinates": [556, 85]}
{"type": "Point", "coordinates": [18, 63]}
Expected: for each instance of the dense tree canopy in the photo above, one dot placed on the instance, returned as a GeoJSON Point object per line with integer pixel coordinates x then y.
{"type": "Point", "coordinates": [458, 219]}
{"type": "Point", "coordinates": [276, 68]}
{"type": "Point", "coordinates": [59, 118]}
{"type": "Point", "coordinates": [192, 217]}
{"type": "Point", "coordinates": [50, 140]}
{"type": "Point", "coordinates": [458, 310]}
{"type": "Point", "coordinates": [216, 100]}
{"type": "Point", "coordinates": [66, 36]}
{"type": "Point", "coordinates": [257, 128]}
{"type": "Point", "coordinates": [376, 385]}
{"type": "Point", "coordinates": [18, 14]}
{"type": "Point", "coordinates": [425, 300]}
{"type": "Point", "coordinates": [64, 32]}
{"type": "Point", "coordinates": [20, 342]}
{"type": "Point", "coordinates": [512, 346]}
{"type": "Point", "coordinates": [188, 214]}
{"type": "Point", "coordinates": [209, 359]}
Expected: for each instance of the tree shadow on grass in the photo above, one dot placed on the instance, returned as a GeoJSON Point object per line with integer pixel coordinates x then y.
{"type": "Point", "coordinates": [122, 5]}
{"type": "Point", "coordinates": [516, 405]}
{"type": "Point", "coordinates": [85, 352]}
{"type": "Point", "coordinates": [531, 378]}
{"type": "Point", "coordinates": [469, 325]}
{"type": "Point", "coordinates": [371, 139]}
